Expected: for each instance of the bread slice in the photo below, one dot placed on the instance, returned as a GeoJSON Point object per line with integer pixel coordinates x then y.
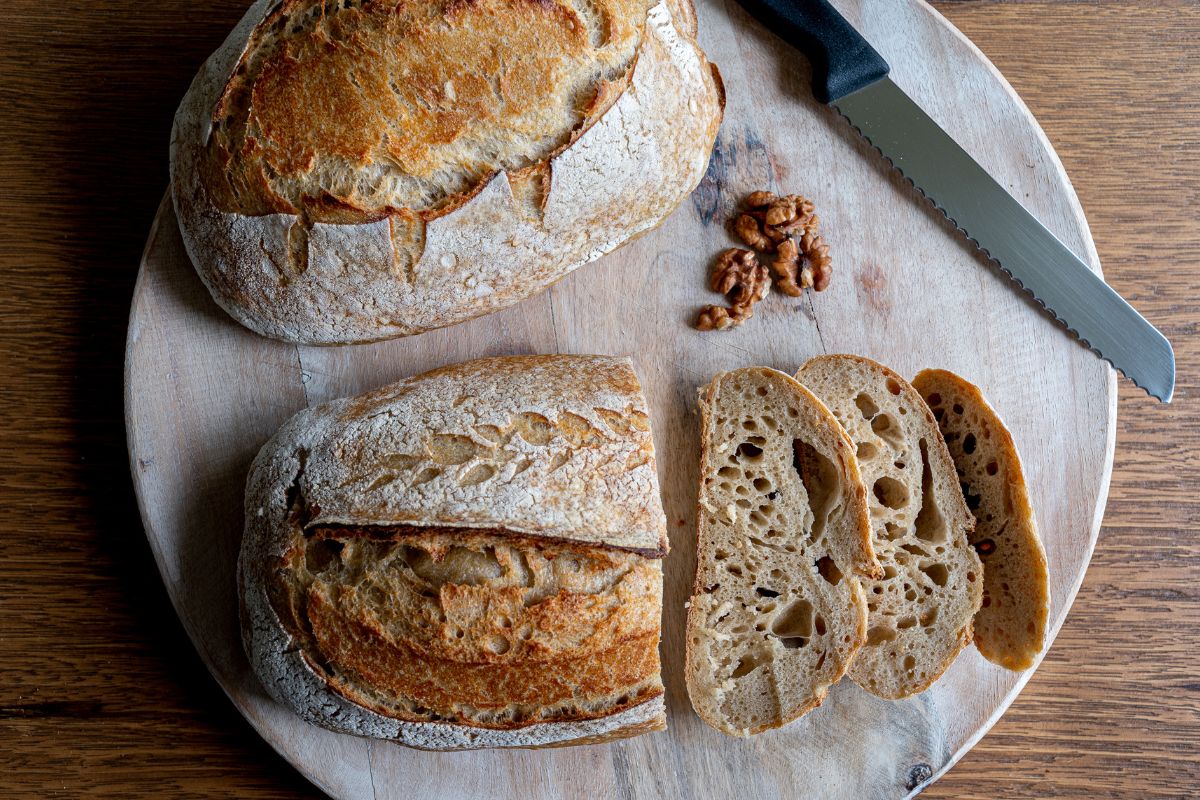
{"type": "Point", "coordinates": [920, 611]}
{"type": "Point", "coordinates": [467, 558]}
{"type": "Point", "coordinates": [776, 613]}
{"type": "Point", "coordinates": [356, 171]}
{"type": "Point", "coordinates": [1010, 627]}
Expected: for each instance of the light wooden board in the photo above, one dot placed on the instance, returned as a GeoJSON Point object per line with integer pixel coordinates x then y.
{"type": "Point", "coordinates": [202, 394]}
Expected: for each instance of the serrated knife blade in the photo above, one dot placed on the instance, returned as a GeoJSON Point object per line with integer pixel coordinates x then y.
{"type": "Point", "coordinates": [849, 74]}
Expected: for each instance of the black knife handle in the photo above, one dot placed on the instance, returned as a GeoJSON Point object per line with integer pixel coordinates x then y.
{"type": "Point", "coordinates": [842, 60]}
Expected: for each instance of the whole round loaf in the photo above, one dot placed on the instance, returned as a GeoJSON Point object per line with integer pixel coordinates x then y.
{"type": "Point", "coordinates": [354, 171]}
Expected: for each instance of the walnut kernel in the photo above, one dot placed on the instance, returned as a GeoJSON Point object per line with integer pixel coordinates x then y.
{"type": "Point", "coordinates": [740, 276]}
{"type": "Point", "coordinates": [750, 230]}
{"type": "Point", "coordinates": [800, 266]}
{"type": "Point", "coordinates": [716, 318]}
{"type": "Point", "coordinates": [769, 223]}
{"type": "Point", "coordinates": [786, 267]}
{"type": "Point", "coordinates": [816, 252]}
{"type": "Point", "coordinates": [760, 199]}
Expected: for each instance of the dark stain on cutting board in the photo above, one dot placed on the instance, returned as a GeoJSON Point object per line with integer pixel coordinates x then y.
{"type": "Point", "coordinates": [740, 164]}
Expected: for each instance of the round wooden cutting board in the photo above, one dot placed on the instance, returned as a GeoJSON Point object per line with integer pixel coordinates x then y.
{"type": "Point", "coordinates": [203, 394]}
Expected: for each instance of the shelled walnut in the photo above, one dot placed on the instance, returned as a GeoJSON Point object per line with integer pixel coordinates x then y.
{"type": "Point", "coordinates": [718, 318]}
{"type": "Point", "coordinates": [802, 265]}
{"type": "Point", "coordinates": [784, 225]}
{"type": "Point", "coordinates": [750, 229]}
{"type": "Point", "coordinates": [769, 219]}
{"type": "Point", "coordinates": [739, 276]}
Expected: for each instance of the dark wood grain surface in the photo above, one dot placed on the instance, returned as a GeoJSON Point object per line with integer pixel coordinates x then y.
{"type": "Point", "coordinates": [101, 693]}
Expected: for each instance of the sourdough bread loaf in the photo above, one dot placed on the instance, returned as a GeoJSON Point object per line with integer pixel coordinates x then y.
{"type": "Point", "coordinates": [359, 170]}
{"type": "Point", "coordinates": [920, 610]}
{"type": "Point", "coordinates": [1010, 626]}
{"type": "Point", "coordinates": [468, 558]}
{"type": "Point", "coordinates": [777, 612]}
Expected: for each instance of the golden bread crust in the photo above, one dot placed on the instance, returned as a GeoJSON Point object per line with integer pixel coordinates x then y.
{"type": "Point", "coordinates": [1010, 626]}
{"type": "Point", "coordinates": [335, 226]}
{"type": "Point", "coordinates": [477, 629]}
{"type": "Point", "coordinates": [512, 599]}
{"type": "Point", "coordinates": [345, 112]}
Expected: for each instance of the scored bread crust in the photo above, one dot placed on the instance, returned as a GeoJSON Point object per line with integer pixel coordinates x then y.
{"type": "Point", "coordinates": [920, 611]}
{"type": "Point", "coordinates": [1010, 626]}
{"type": "Point", "coordinates": [406, 271]}
{"type": "Point", "coordinates": [776, 613]}
{"type": "Point", "coordinates": [568, 455]}
{"type": "Point", "coordinates": [550, 446]}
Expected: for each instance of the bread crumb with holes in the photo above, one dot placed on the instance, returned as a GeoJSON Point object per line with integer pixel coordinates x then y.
{"type": "Point", "coordinates": [769, 629]}
{"type": "Point", "coordinates": [920, 610]}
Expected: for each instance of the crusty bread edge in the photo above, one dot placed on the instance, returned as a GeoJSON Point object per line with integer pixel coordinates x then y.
{"type": "Point", "coordinates": [1018, 494]}
{"type": "Point", "coordinates": [218, 242]}
{"type": "Point", "coordinates": [290, 679]}
{"type": "Point", "coordinates": [644, 533]}
{"type": "Point", "coordinates": [868, 566]}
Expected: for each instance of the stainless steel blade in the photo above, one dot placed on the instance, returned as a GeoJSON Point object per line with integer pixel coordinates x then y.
{"type": "Point", "coordinates": [1031, 255]}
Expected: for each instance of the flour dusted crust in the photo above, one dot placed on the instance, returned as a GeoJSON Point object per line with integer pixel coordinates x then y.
{"type": "Point", "coordinates": [551, 446]}
{"type": "Point", "coordinates": [512, 599]}
{"type": "Point", "coordinates": [347, 239]}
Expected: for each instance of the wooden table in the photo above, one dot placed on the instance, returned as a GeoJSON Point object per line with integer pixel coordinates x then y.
{"type": "Point", "coordinates": [100, 691]}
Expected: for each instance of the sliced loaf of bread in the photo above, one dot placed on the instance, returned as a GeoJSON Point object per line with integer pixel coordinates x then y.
{"type": "Point", "coordinates": [920, 610]}
{"type": "Point", "coordinates": [776, 614]}
{"type": "Point", "coordinates": [467, 558]}
{"type": "Point", "coordinates": [1010, 627]}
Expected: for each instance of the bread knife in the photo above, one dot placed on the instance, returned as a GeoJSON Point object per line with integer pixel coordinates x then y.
{"type": "Point", "coordinates": [851, 76]}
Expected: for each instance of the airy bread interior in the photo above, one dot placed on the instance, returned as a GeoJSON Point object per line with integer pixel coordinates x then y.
{"type": "Point", "coordinates": [1010, 626]}
{"type": "Point", "coordinates": [776, 614]}
{"type": "Point", "coordinates": [348, 111]}
{"type": "Point", "coordinates": [478, 627]}
{"type": "Point", "coordinates": [920, 610]}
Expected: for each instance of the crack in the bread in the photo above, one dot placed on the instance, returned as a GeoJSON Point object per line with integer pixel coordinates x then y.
{"type": "Point", "coordinates": [398, 531]}
{"type": "Point", "coordinates": [405, 258]}
{"type": "Point", "coordinates": [294, 499]}
{"type": "Point", "coordinates": [297, 240]}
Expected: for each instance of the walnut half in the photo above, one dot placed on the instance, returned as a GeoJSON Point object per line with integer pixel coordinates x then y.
{"type": "Point", "coordinates": [716, 318]}
{"type": "Point", "coordinates": [739, 276]}
{"type": "Point", "coordinates": [750, 230]}
{"type": "Point", "coordinates": [769, 219]}
{"type": "Point", "coordinates": [799, 266]}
